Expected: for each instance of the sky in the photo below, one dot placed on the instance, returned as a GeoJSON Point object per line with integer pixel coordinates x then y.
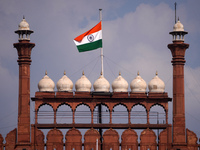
{"type": "Point", "coordinates": [135, 38]}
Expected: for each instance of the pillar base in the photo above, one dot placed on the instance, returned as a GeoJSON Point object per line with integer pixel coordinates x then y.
{"type": "Point", "coordinates": [23, 146]}
{"type": "Point", "coordinates": [179, 146]}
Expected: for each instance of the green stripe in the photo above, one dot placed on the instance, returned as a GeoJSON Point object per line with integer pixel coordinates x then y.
{"type": "Point", "coordinates": [90, 46]}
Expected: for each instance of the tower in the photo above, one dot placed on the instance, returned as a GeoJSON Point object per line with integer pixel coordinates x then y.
{"type": "Point", "coordinates": [24, 48]}
{"type": "Point", "coordinates": [178, 48]}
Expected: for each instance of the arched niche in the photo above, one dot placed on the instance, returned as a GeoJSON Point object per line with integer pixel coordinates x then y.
{"type": "Point", "coordinates": [110, 140]}
{"type": "Point", "coordinates": [157, 114]}
{"type": "Point", "coordinates": [120, 114]}
{"type": "Point", "coordinates": [191, 140]}
{"type": "Point", "coordinates": [39, 140]}
{"type": "Point", "coordinates": [105, 114]}
{"type": "Point", "coordinates": [148, 140]}
{"type": "Point", "coordinates": [82, 114]}
{"type": "Point", "coordinates": [92, 138]}
{"type": "Point", "coordinates": [129, 140]}
{"type": "Point", "coordinates": [45, 114]}
{"type": "Point", "coordinates": [11, 139]}
{"type": "Point", "coordinates": [138, 114]}
{"type": "Point", "coordinates": [73, 140]}
{"type": "Point", "coordinates": [54, 139]}
{"type": "Point", "coordinates": [1, 142]}
{"type": "Point", "coordinates": [64, 114]}
{"type": "Point", "coordinates": [163, 140]}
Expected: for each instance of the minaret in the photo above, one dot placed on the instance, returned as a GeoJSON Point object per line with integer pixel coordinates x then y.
{"type": "Point", "coordinates": [178, 48]}
{"type": "Point", "coordinates": [24, 48]}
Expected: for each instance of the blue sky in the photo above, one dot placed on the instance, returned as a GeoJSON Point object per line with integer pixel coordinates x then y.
{"type": "Point", "coordinates": [135, 38]}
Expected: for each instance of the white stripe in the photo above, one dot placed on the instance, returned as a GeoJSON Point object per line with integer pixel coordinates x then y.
{"type": "Point", "coordinates": [97, 36]}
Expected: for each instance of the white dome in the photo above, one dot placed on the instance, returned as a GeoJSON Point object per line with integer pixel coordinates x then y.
{"type": "Point", "coordinates": [46, 84]}
{"type": "Point", "coordinates": [120, 84]}
{"type": "Point", "coordinates": [101, 84]}
{"type": "Point", "coordinates": [24, 25]}
{"type": "Point", "coordinates": [64, 84]}
{"type": "Point", "coordinates": [138, 84]}
{"type": "Point", "coordinates": [83, 84]}
{"type": "Point", "coordinates": [156, 85]}
{"type": "Point", "coordinates": [178, 26]}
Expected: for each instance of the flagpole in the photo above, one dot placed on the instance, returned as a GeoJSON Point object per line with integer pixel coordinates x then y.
{"type": "Point", "coordinates": [100, 17]}
{"type": "Point", "coordinates": [99, 106]}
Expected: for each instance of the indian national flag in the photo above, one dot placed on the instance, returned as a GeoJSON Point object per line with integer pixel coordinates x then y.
{"type": "Point", "coordinates": [90, 40]}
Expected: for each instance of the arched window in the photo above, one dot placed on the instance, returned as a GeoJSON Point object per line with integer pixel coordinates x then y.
{"type": "Point", "coordinates": [82, 114]}
{"type": "Point", "coordinates": [102, 114]}
{"type": "Point", "coordinates": [120, 114]}
{"type": "Point", "coordinates": [138, 114]}
{"type": "Point", "coordinates": [64, 114]}
{"type": "Point", "coordinates": [45, 114]}
{"type": "Point", "coordinates": [157, 115]}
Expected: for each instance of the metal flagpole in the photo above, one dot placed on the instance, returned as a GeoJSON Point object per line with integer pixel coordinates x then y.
{"type": "Point", "coordinates": [102, 73]}
{"type": "Point", "coordinates": [100, 17]}
{"type": "Point", "coordinates": [175, 11]}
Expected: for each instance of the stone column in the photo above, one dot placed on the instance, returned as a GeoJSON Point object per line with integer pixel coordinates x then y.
{"type": "Point", "coordinates": [178, 49]}
{"type": "Point", "coordinates": [24, 48]}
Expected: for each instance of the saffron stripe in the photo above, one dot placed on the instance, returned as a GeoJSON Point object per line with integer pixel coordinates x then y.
{"type": "Point", "coordinates": [93, 30]}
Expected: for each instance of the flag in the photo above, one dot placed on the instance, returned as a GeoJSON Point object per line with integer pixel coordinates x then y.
{"type": "Point", "coordinates": [90, 40]}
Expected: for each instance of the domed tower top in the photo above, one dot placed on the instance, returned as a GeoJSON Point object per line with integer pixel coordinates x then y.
{"type": "Point", "coordinates": [138, 84]}
{"type": "Point", "coordinates": [178, 26]}
{"type": "Point", "coordinates": [120, 84]}
{"type": "Point", "coordinates": [101, 84]}
{"type": "Point", "coordinates": [24, 30]}
{"type": "Point", "coordinates": [64, 84]}
{"type": "Point", "coordinates": [178, 32]}
{"type": "Point", "coordinates": [23, 25]}
{"type": "Point", "coordinates": [83, 84]}
{"type": "Point", "coordinates": [156, 85]}
{"type": "Point", "coordinates": [46, 84]}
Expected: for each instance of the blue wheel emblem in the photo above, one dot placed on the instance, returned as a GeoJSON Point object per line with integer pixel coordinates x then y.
{"type": "Point", "coordinates": [90, 38]}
